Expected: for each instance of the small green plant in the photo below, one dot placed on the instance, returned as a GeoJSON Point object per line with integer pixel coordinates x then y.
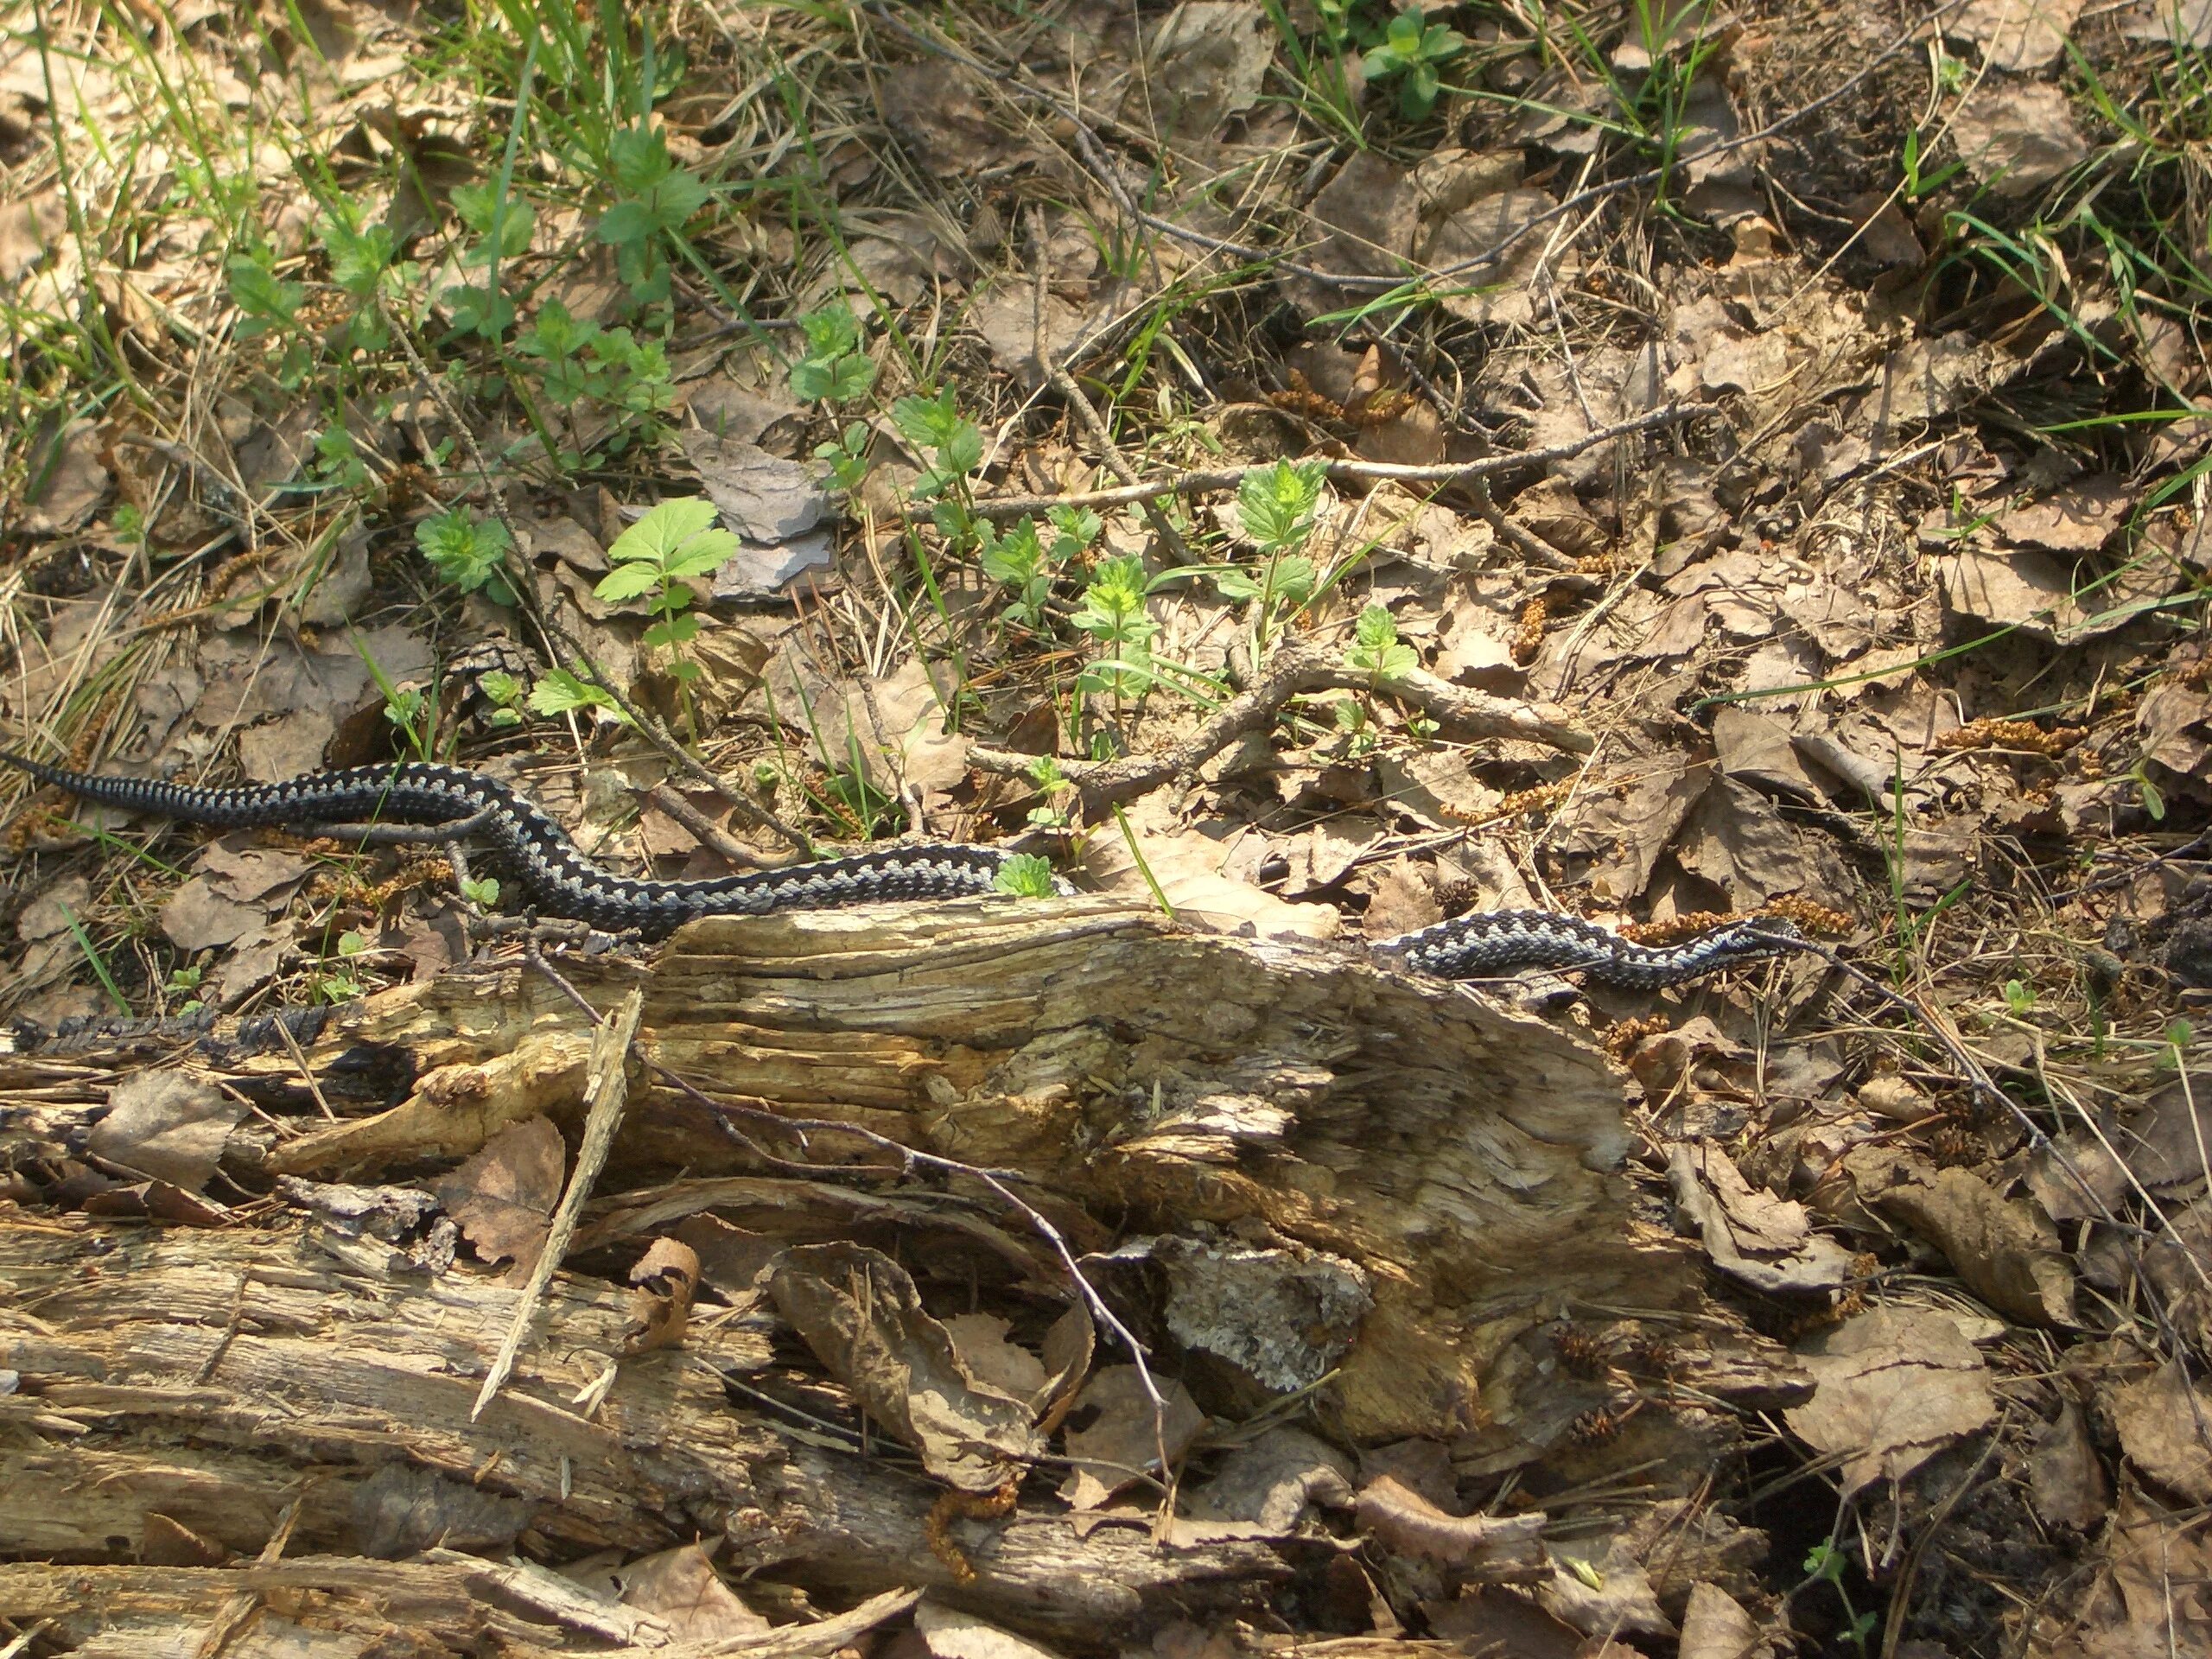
{"type": "Point", "coordinates": [1826, 1564]}
{"type": "Point", "coordinates": [339, 980]}
{"type": "Point", "coordinates": [676, 542]}
{"type": "Point", "coordinates": [654, 200]}
{"type": "Point", "coordinates": [1375, 649]}
{"type": "Point", "coordinates": [269, 306]}
{"type": "Point", "coordinates": [1053, 784]}
{"type": "Point", "coordinates": [338, 464]}
{"type": "Point", "coordinates": [2020, 998]}
{"type": "Point", "coordinates": [836, 368]}
{"type": "Point", "coordinates": [846, 456]}
{"type": "Point", "coordinates": [1359, 733]}
{"type": "Point", "coordinates": [578, 360]}
{"type": "Point", "coordinates": [468, 551]}
{"type": "Point", "coordinates": [1113, 614]}
{"type": "Point", "coordinates": [415, 716]}
{"type": "Point", "coordinates": [1020, 559]}
{"type": "Point", "coordinates": [1918, 184]}
{"type": "Point", "coordinates": [483, 891]}
{"type": "Point", "coordinates": [1275, 507]}
{"type": "Point", "coordinates": [185, 982]}
{"type": "Point", "coordinates": [504, 693]}
{"type": "Point", "coordinates": [362, 265]}
{"type": "Point", "coordinates": [1412, 50]}
{"type": "Point", "coordinates": [951, 447]}
{"type": "Point", "coordinates": [562, 691]}
{"type": "Point", "coordinates": [2179, 1034]}
{"type": "Point", "coordinates": [1027, 876]}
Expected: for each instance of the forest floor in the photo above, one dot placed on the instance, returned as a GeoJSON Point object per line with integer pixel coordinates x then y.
{"type": "Point", "coordinates": [1310, 467]}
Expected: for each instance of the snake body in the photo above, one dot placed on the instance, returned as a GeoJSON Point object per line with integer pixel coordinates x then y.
{"type": "Point", "coordinates": [561, 881]}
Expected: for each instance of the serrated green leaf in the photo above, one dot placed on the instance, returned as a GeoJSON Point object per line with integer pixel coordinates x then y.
{"type": "Point", "coordinates": [664, 528]}
{"type": "Point", "coordinates": [625, 224]}
{"type": "Point", "coordinates": [632, 581]}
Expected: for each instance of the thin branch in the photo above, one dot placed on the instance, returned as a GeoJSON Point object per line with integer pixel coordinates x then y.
{"type": "Point", "coordinates": [1442, 475]}
{"type": "Point", "coordinates": [1301, 667]}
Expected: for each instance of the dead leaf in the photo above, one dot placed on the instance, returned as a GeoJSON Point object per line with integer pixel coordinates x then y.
{"type": "Point", "coordinates": [68, 484]}
{"type": "Point", "coordinates": [861, 1314]}
{"type": "Point", "coordinates": [1122, 1442]}
{"type": "Point", "coordinates": [1715, 1626]}
{"type": "Point", "coordinates": [681, 1587]}
{"type": "Point", "coordinates": [1205, 63]}
{"type": "Point", "coordinates": [503, 1197]}
{"type": "Point", "coordinates": [2066, 1478]}
{"type": "Point", "coordinates": [2004, 1250]}
{"type": "Point", "coordinates": [1407, 1522]}
{"type": "Point", "coordinates": [2148, 1597]}
{"type": "Point", "coordinates": [168, 1125]}
{"type": "Point", "coordinates": [1187, 865]}
{"type": "Point", "coordinates": [664, 1280]}
{"type": "Point", "coordinates": [1611, 1595]}
{"type": "Point", "coordinates": [2163, 1422]}
{"type": "Point", "coordinates": [1273, 1480]}
{"type": "Point", "coordinates": [2017, 138]}
{"type": "Point", "coordinates": [2016, 34]}
{"type": "Point", "coordinates": [948, 1634]}
{"type": "Point", "coordinates": [1765, 1242]}
{"type": "Point", "coordinates": [2020, 588]}
{"type": "Point", "coordinates": [1895, 1386]}
{"type": "Point", "coordinates": [2076, 519]}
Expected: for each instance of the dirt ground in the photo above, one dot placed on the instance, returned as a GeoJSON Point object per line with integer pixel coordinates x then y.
{"type": "Point", "coordinates": [1297, 470]}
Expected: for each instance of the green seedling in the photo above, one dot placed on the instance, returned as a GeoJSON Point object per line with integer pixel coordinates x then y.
{"type": "Point", "coordinates": [468, 551]}
{"type": "Point", "coordinates": [1412, 51]}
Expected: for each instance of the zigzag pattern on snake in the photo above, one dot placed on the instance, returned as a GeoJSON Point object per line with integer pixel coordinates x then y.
{"type": "Point", "coordinates": [563, 882]}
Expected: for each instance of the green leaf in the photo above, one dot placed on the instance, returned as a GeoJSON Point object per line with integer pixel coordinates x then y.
{"type": "Point", "coordinates": [480, 208]}
{"type": "Point", "coordinates": [849, 377]}
{"type": "Point", "coordinates": [499, 688]}
{"type": "Point", "coordinates": [626, 224]}
{"type": "Point", "coordinates": [639, 157]}
{"type": "Point", "coordinates": [559, 691]}
{"type": "Point", "coordinates": [632, 581]}
{"type": "Point", "coordinates": [664, 528]}
{"type": "Point", "coordinates": [1276, 504]}
{"type": "Point", "coordinates": [467, 550]}
{"type": "Point", "coordinates": [676, 199]}
{"type": "Point", "coordinates": [704, 555]}
{"type": "Point", "coordinates": [1232, 582]}
{"type": "Point", "coordinates": [832, 332]}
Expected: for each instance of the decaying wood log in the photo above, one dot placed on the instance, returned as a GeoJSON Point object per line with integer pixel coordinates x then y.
{"type": "Point", "coordinates": [1291, 1169]}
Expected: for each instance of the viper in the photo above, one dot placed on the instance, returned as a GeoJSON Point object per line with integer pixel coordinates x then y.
{"type": "Point", "coordinates": [561, 881]}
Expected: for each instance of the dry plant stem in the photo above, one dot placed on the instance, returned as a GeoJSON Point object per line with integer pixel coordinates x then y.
{"type": "Point", "coordinates": [1303, 666]}
{"type": "Point", "coordinates": [554, 635]}
{"type": "Point", "coordinates": [1443, 474]}
{"type": "Point", "coordinates": [996, 1180]}
{"type": "Point", "coordinates": [710, 834]}
{"type": "Point", "coordinates": [605, 1092]}
{"type": "Point", "coordinates": [1530, 547]}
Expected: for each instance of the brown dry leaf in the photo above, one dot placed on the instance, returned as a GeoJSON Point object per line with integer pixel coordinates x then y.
{"type": "Point", "coordinates": [70, 486]}
{"type": "Point", "coordinates": [1123, 1441]}
{"type": "Point", "coordinates": [1409, 1522]}
{"type": "Point", "coordinates": [2150, 1598]}
{"type": "Point", "coordinates": [1629, 835]}
{"type": "Point", "coordinates": [2163, 1422]}
{"type": "Point", "coordinates": [2066, 1478]}
{"type": "Point", "coordinates": [502, 1198]}
{"type": "Point", "coordinates": [680, 1587]}
{"type": "Point", "coordinates": [1765, 1242]}
{"type": "Point", "coordinates": [861, 1314]}
{"type": "Point", "coordinates": [2017, 138]}
{"type": "Point", "coordinates": [1272, 1481]}
{"type": "Point", "coordinates": [1715, 1626]}
{"type": "Point", "coordinates": [2020, 589]}
{"type": "Point", "coordinates": [665, 1279]}
{"type": "Point", "coordinates": [1894, 1386]}
{"type": "Point", "coordinates": [933, 108]}
{"type": "Point", "coordinates": [1612, 1595]}
{"type": "Point", "coordinates": [948, 1634]}
{"type": "Point", "coordinates": [2076, 519]}
{"type": "Point", "coordinates": [1501, 1624]}
{"type": "Point", "coordinates": [2180, 23]}
{"type": "Point", "coordinates": [2016, 34]}
{"type": "Point", "coordinates": [1204, 64]}
{"type": "Point", "coordinates": [167, 1125]}
{"type": "Point", "coordinates": [2004, 1249]}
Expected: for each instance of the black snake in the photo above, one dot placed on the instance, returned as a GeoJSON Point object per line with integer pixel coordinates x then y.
{"type": "Point", "coordinates": [563, 882]}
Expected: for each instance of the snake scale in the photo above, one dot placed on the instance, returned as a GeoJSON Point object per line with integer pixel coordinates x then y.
{"type": "Point", "coordinates": [561, 881]}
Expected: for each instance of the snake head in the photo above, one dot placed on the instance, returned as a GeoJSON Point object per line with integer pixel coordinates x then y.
{"type": "Point", "coordinates": [1762, 936]}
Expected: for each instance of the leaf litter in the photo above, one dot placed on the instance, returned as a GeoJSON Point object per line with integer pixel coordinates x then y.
{"type": "Point", "coordinates": [1903, 625]}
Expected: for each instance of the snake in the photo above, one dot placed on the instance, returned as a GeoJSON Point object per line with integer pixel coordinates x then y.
{"type": "Point", "coordinates": [561, 881]}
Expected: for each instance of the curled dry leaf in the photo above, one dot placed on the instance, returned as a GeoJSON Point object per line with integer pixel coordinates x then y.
{"type": "Point", "coordinates": [2162, 1422]}
{"type": "Point", "coordinates": [681, 1588]}
{"type": "Point", "coordinates": [664, 1280]}
{"type": "Point", "coordinates": [1765, 1242]}
{"type": "Point", "coordinates": [862, 1315]}
{"type": "Point", "coordinates": [2005, 1250]}
{"type": "Point", "coordinates": [1407, 1522]}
